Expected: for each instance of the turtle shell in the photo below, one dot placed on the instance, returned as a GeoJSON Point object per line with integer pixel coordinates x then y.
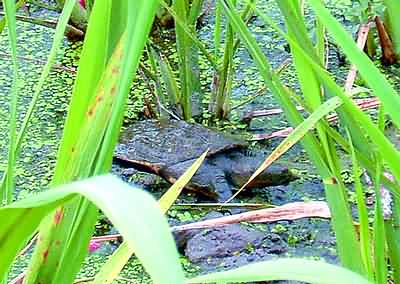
{"type": "Point", "coordinates": [151, 145]}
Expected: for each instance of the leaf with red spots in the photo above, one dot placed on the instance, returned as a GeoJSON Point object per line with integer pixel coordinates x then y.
{"type": "Point", "coordinates": [21, 219]}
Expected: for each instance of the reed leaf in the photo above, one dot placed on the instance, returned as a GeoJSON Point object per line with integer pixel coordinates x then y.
{"type": "Point", "coordinates": [91, 131]}
{"type": "Point", "coordinates": [309, 271]}
{"type": "Point", "coordinates": [368, 71]}
{"type": "Point", "coordinates": [160, 260]}
{"type": "Point", "coordinates": [7, 189]}
{"type": "Point", "coordinates": [183, 45]}
{"type": "Point", "coordinates": [364, 231]}
{"type": "Point", "coordinates": [348, 246]}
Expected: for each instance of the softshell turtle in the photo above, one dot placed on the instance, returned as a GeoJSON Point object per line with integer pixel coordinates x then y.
{"type": "Point", "coordinates": [168, 149]}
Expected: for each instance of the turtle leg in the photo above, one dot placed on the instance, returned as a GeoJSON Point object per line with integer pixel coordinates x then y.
{"type": "Point", "coordinates": [221, 186]}
{"type": "Point", "coordinates": [209, 179]}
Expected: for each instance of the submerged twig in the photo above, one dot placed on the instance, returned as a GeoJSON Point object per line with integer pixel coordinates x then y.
{"type": "Point", "coordinates": [41, 62]}
{"type": "Point", "coordinates": [222, 205]}
{"type": "Point", "coordinates": [71, 32]}
{"type": "Point", "coordinates": [44, 5]}
{"type": "Point", "coordinates": [261, 91]}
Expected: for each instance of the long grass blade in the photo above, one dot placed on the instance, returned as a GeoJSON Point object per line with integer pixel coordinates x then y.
{"type": "Point", "coordinates": [379, 240]}
{"type": "Point", "coordinates": [160, 260]}
{"type": "Point", "coordinates": [365, 240]}
{"type": "Point", "coordinates": [7, 189]}
{"type": "Point", "coordinates": [309, 271]}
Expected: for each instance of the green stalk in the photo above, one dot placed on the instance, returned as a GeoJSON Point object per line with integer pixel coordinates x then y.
{"type": "Point", "coordinates": [79, 16]}
{"type": "Point", "coordinates": [196, 91]}
{"type": "Point", "coordinates": [220, 101]}
{"type": "Point", "coordinates": [365, 241]}
{"type": "Point", "coordinates": [224, 74]}
{"type": "Point", "coordinates": [172, 91]}
{"type": "Point", "coordinates": [3, 21]}
{"type": "Point", "coordinates": [8, 189]}
{"type": "Point", "coordinates": [170, 82]}
{"type": "Point", "coordinates": [379, 233]}
{"type": "Point", "coordinates": [392, 231]}
{"type": "Point", "coordinates": [217, 29]}
{"type": "Point", "coordinates": [183, 48]}
{"type": "Point", "coordinates": [195, 11]}
{"type": "Point", "coordinates": [190, 34]}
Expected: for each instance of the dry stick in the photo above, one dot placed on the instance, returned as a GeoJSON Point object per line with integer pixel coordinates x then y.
{"type": "Point", "coordinates": [361, 41]}
{"type": "Point", "coordinates": [70, 31]}
{"type": "Point", "coordinates": [388, 54]}
{"type": "Point", "coordinates": [362, 103]}
{"type": "Point", "coordinates": [368, 103]}
{"type": "Point", "coordinates": [289, 211]}
{"type": "Point", "coordinates": [273, 111]}
{"type": "Point", "coordinates": [106, 238]}
{"type": "Point", "coordinates": [42, 62]}
{"type": "Point", "coordinates": [221, 205]}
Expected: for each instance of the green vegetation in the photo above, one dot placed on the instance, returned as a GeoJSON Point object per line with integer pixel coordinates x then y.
{"type": "Point", "coordinates": [116, 45]}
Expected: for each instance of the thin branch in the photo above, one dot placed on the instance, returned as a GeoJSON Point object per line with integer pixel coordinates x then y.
{"type": "Point", "coordinates": [361, 41]}
{"type": "Point", "coordinates": [71, 32]}
{"type": "Point", "coordinates": [41, 62]}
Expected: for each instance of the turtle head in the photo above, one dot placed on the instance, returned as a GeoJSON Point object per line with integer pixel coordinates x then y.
{"type": "Point", "coordinates": [275, 174]}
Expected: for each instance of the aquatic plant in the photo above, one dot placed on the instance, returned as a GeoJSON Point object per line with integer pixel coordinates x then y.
{"type": "Point", "coordinates": [322, 94]}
